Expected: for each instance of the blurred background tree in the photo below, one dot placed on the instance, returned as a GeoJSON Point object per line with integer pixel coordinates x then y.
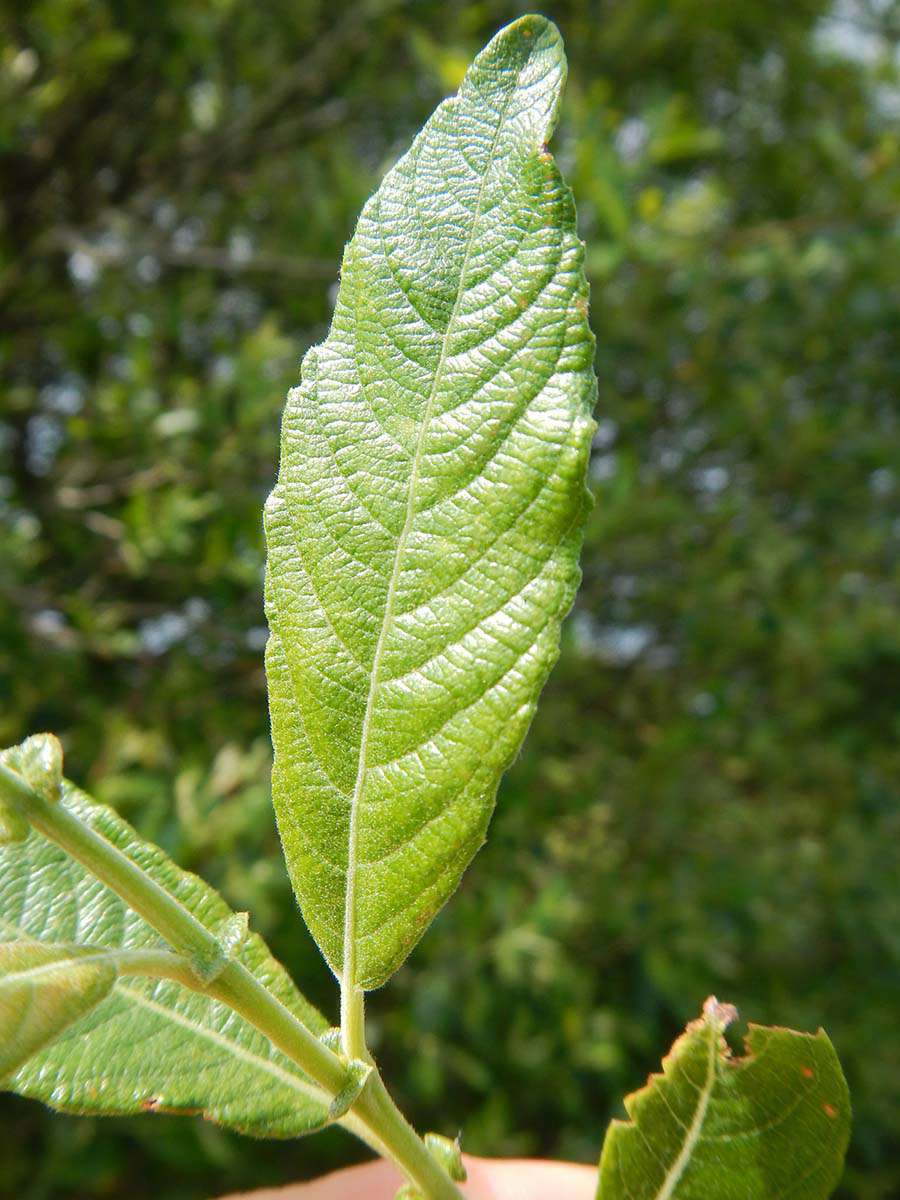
{"type": "Point", "coordinates": [707, 801]}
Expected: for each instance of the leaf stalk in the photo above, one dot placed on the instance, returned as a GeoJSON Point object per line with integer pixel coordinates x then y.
{"type": "Point", "coordinates": [353, 1023]}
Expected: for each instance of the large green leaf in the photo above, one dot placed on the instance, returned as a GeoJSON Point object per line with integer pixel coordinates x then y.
{"type": "Point", "coordinates": [424, 531]}
{"type": "Point", "coordinates": [769, 1126]}
{"type": "Point", "coordinates": [150, 1043]}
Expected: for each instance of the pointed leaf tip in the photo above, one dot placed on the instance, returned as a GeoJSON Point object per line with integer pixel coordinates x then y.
{"type": "Point", "coordinates": [425, 528]}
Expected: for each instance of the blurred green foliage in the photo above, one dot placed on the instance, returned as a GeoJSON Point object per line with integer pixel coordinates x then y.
{"type": "Point", "coordinates": [707, 801]}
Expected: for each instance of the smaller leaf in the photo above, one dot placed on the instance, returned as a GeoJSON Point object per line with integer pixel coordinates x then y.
{"type": "Point", "coordinates": [448, 1153]}
{"type": "Point", "coordinates": [234, 933]}
{"type": "Point", "coordinates": [230, 938]}
{"type": "Point", "coordinates": [774, 1123]}
{"type": "Point", "coordinates": [358, 1073]}
{"type": "Point", "coordinates": [43, 990]}
{"type": "Point", "coordinates": [39, 760]}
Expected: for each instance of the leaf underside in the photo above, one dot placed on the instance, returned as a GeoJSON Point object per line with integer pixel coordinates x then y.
{"type": "Point", "coordinates": [424, 531]}
{"type": "Point", "coordinates": [149, 1045]}
{"type": "Point", "coordinates": [773, 1125]}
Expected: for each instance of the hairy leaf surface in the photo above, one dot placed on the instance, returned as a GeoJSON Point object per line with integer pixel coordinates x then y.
{"type": "Point", "coordinates": [424, 531]}
{"type": "Point", "coordinates": [150, 1043]}
{"type": "Point", "coordinates": [772, 1124]}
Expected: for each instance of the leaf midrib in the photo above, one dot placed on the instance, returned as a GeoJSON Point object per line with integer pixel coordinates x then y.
{"type": "Point", "coordinates": [348, 972]}
{"type": "Point", "coordinates": [695, 1130]}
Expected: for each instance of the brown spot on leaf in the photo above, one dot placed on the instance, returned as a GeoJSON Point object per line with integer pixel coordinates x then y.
{"type": "Point", "coordinates": [151, 1104]}
{"type": "Point", "coordinates": [808, 1072]}
{"type": "Point", "coordinates": [829, 1110]}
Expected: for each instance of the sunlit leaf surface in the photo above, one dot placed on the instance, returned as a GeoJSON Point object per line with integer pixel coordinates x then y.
{"type": "Point", "coordinates": [424, 531]}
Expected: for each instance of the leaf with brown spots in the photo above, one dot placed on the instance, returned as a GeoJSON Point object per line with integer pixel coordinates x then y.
{"type": "Point", "coordinates": [772, 1125]}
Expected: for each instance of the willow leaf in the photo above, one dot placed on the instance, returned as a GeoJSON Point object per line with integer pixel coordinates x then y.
{"type": "Point", "coordinates": [771, 1125]}
{"type": "Point", "coordinates": [147, 1044]}
{"type": "Point", "coordinates": [424, 531]}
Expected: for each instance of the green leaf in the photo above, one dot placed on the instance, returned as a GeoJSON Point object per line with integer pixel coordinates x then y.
{"type": "Point", "coordinates": [39, 761]}
{"type": "Point", "coordinates": [357, 1076]}
{"type": "Point", "coordinates": [149, 1044]}
{"type": "Point", "coordinates": [770, 1125]}
{"type": "Point", "coordinates": [424, 532]}
{"type": "Point", "coordinates": [43, 990]}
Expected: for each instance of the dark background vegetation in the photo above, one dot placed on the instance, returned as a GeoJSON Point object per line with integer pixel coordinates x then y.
{"type": "Point", "coordinates": [705, 801]}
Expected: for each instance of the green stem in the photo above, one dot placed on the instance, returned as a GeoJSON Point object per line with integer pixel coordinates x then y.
{"type": "Point", "coordinates": [379, 1112]}
{"type": "Point", "coordinates": [374, 1116]}
{"type": "Point", "coordinates": [152, 964]}
{"type": "Point", "coordinates": [148, 964]}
